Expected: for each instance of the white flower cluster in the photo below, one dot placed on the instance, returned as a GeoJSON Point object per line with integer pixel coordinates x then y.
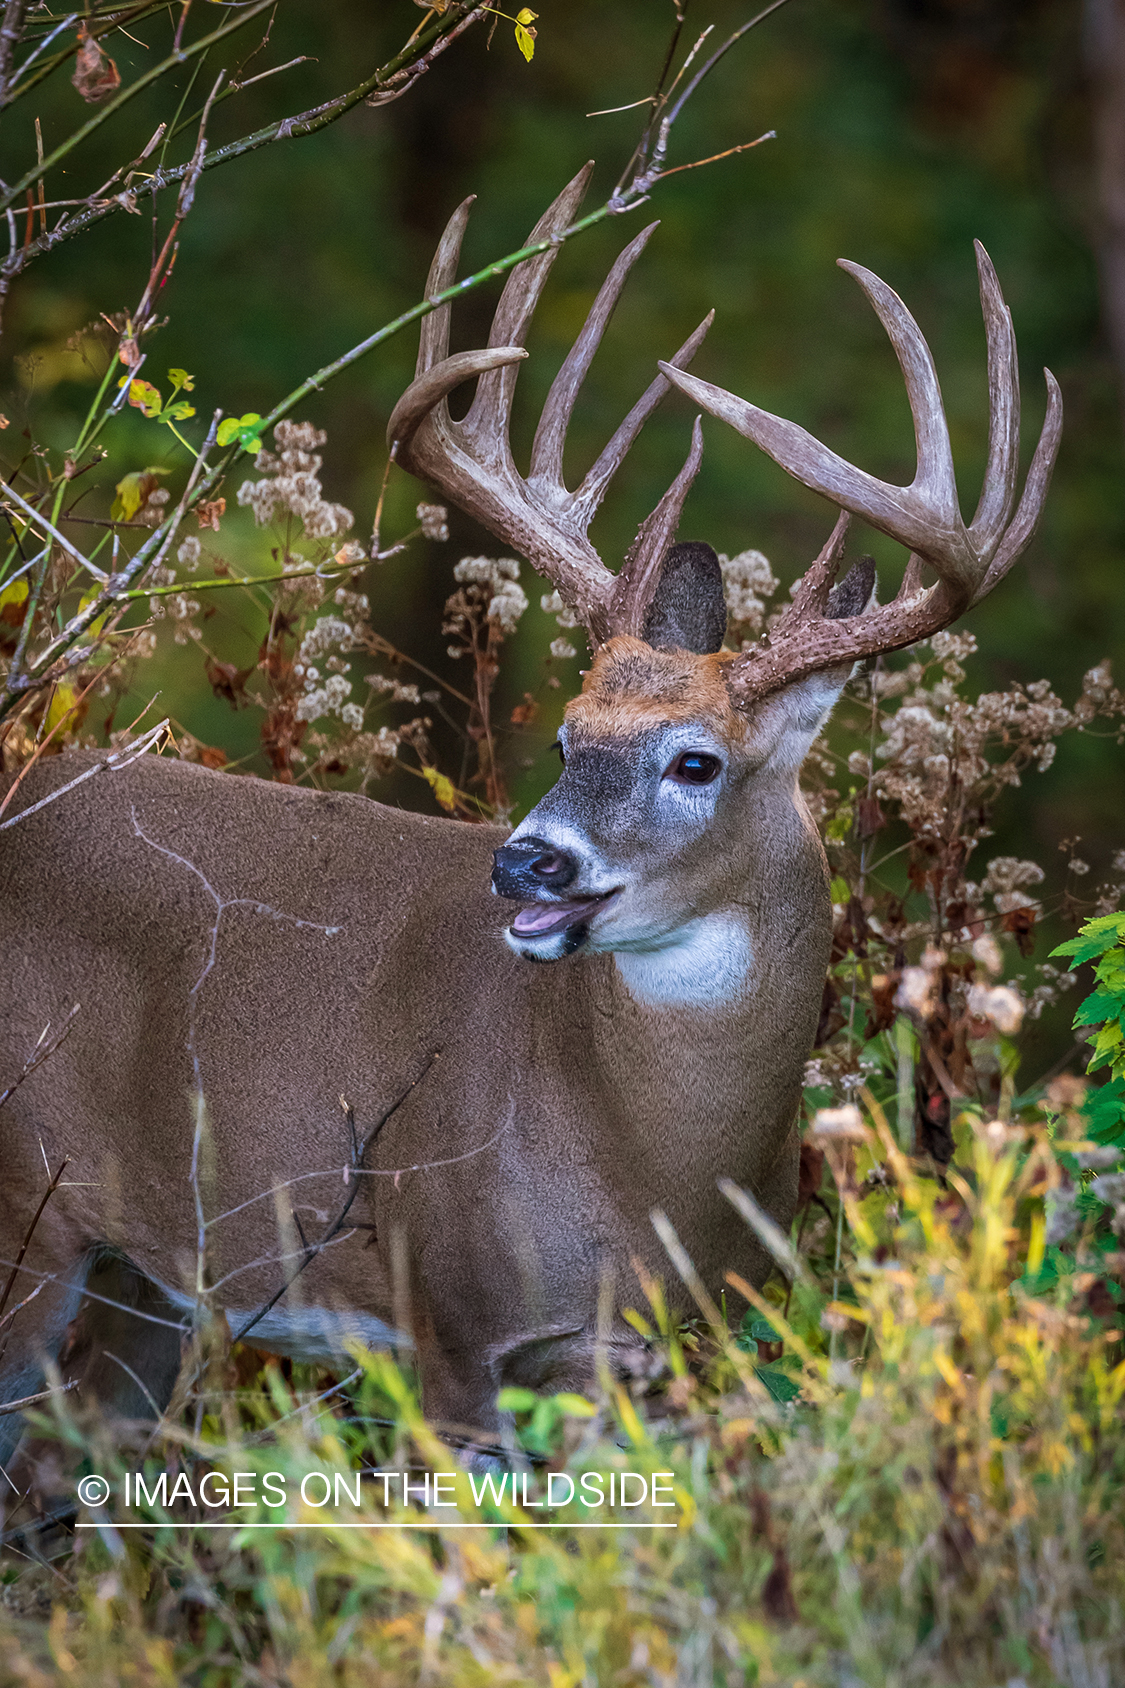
{"type": "Point", "coordinates": [748, 585]}
{"type": "Point", "coordinates": [1002, 1004]}
{"type": "Point", "coordinates": [189, 553]}
{"type": "Point", "coordinates": [500, 575]}
{"type": "Point", "coordinates": [434, 519]}
{"type": "Point", "coordinates": [553, 604]}
{"type": "Point", "coordinates": [321, 642]}
{"type": "Point", "coordinates": [399, 692]}
{"type": "Point", "coordinates": [1003, 880]}
{"type": "Point", "coordinates": [292, 483]}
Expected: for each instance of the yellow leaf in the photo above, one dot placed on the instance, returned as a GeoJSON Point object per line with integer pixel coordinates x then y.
{"type": "Point", "coordinates": [526, 16]}
{"type": "Point", "coordinates": [132, 491]}
{"type": "Point", "coordinates": [13, 602]}
{"type": "Point", "coordinates": [63, 701]}
{"type": "Point", "coordinates": [99, 621]}
{"type": "Point", "coordinates": [443, 789]}
{"type": "Point", "coordinates": [525, 40]}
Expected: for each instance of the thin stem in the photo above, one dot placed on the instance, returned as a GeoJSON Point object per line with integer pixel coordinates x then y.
{"type": "Point", "coordinates": [65, 148]}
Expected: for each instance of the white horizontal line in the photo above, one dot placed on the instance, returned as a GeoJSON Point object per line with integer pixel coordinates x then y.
{"type": "Point", "coordinates": [404, 1524]}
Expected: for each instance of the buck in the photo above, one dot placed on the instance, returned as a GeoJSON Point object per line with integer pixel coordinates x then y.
{"type": "Point", "coordinates": [251, 955]}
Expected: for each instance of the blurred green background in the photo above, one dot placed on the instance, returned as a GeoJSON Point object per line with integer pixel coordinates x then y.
{"type": "Point", "coordinates": [904, 129]}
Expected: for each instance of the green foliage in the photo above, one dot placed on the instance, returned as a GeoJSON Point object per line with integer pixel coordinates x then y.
{"type": "Point", "coordinates": [245, 431]}
{"type": "Point", "coordinates": [1104, 940]}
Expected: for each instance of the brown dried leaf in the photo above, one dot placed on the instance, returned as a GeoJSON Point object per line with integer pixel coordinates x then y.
{"type": "Point", "coordinates": [810, 1170]}
{"type": "Point", "coordinates": [96, 76]}
{"type": "Point", "coordinates": [228, 682]}
{"type": "Point", "coordinates": [209, 514]}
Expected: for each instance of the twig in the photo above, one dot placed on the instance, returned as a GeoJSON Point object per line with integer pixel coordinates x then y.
{"type": "Point", "coordinates": [34, 1400]}
{"type": "Point", "coordinates": [42, 1052]}
{"type": "Point", "coordinates": [417, 59]}
{"type": "Point", "coordinates": [34, 515]}
{"type": "Point", "coordinates": [355, 1165]}
{"type": "Point", "coordinates": [112, 107]}
{"type": "Point", "coordinates": [30, 1232]}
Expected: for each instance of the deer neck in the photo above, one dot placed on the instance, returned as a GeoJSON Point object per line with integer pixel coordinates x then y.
{"type": "Point", "coordinates": [708, 963]}
{"type": "Point", "coordinates": [770, 925]}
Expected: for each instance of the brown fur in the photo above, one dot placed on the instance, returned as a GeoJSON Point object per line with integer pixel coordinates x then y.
{"type": "Point", "coordinates": [632, 687]}
{"type": "Point", "coordinates": [558, 1113]}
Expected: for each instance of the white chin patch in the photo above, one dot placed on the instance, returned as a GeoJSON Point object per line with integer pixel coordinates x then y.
{"type": "Point", "coordinates": [553, 946]}
{"type": "Point", "coordinates": [705, 964]}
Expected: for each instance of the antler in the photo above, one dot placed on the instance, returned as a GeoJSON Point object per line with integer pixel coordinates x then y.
{"type": "Point", "coordinates": [471, 460]}
{"type": "Point", "coordinates": [925, 516]}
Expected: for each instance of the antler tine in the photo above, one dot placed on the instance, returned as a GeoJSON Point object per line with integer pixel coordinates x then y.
{"type": "Point", "coordinates": [433, 342]}
{"type": "Point", "coordinates": [640, 572]}
{"type": "Point", "coordinates": [550, 435]}
{"type": "Point", "coordinates": [925, 515]}
{"type": "Point", "coordinates": [934, 486]}
{"type": "Point", "coordinates": [486, 424]}
{"type": "Point", "coordinates": [471, 460]}
{"type": "Point", "coordinates": [589, 495]}
{"type": "Point", "coordinates": [1019, 535]}
{"type": "Point", "coordinates": [1001, 475]}
{"type": "Point", "coordinates": [425, 397]}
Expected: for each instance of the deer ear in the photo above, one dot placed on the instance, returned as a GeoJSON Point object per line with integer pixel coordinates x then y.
{"type": "Point", "coordinates": [688, 611]}
{"type": "Point", "coordinates": [855, 592]}
{"type": "Point", "coordinates": [799, 710]}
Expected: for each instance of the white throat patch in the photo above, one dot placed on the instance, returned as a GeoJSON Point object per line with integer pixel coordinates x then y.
{"type": "Point", "coordinates": [705, 964]}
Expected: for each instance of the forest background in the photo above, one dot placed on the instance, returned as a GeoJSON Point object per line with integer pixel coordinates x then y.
{"type": "Point", "coordinates": [904, 128]}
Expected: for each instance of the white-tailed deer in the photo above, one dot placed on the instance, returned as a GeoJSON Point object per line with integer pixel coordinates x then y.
{"type": "Point", "coordinates": [509, 1127]}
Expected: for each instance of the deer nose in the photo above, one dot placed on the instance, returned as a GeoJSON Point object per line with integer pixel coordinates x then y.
{"type": "Point", "coordinates": [529, 866]}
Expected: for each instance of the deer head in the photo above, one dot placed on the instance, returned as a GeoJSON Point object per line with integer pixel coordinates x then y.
{"type": "Point", "coordinates": [680, 758]}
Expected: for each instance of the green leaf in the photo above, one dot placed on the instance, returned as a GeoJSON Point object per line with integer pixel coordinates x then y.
{"type": "Point", "coordinates": [779, 1383]}
{"type": "Point", "coordinates": [517, 1400]}
{"type": "Point", "coordinates": [1095, 938]}
{"type": "Point", "coordinates": [181, 379]}
{"type": "Point", "coordinates": [244, 429]}
{"type": "Point", "coordinates": [575, 1406]}
{"type": "Point", "coordinates": [176, 412]}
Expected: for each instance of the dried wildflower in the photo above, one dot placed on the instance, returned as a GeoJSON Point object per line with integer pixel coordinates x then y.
{"type": "Point", "coordinates": [435, 521]}
{"type": "Point", "coordinates": [292, 483]}
{"type": "Point", "coordinates": [190, 552]}
{"type": "Point", "coordinates": [1001, 1004]}
{"type": "Point", "coordinates": [987, 951]}
{"type": "Point", "coordinates": [562, 650]}
{"type": "Point", "coordinates": [398, 691]}
{"type": "Point", "coordinates": [748, 585]}
{"type": "Point", "coordinates": [553, 604]}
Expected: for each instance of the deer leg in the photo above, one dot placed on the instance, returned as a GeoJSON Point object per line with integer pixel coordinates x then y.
{"type": "Point", "coordinates": [121, 1351]}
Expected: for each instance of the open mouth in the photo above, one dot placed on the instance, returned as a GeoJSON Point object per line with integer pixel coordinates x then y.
{"type": "Point", "coordinates": [540, 920]}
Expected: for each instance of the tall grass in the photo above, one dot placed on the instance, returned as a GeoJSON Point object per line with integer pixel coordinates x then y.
{"type": "Point", "coordinates": [940, 1501]}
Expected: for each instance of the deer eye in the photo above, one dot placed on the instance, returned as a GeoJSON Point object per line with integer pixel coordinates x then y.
{"type": "Point", "coordinates": [558, 746]}
{"type": "Point", "coordinates": [693, 767]}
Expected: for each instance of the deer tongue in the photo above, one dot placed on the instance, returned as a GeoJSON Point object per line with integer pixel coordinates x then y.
{"type": "Point", "coordinates": [540, 918]}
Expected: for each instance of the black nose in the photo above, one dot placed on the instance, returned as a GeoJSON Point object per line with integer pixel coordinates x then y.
{"type": "Point", "coordinates": [530, 866]}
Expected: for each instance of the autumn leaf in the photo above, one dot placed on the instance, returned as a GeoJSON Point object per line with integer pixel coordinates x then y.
{"type": "Point", "coordinates": [143, 396]}
{"type": "Point", "coordinates": [64, 700]}
{"type": "Point", "coordinates": [96, 76]}
{"type": "Point", "coordinates": [133, 491]}
{"type": "Point", "coordinates": [13, 603]}
{"type": "Point", "coordinates": [98, 622]}
{"type": "Point", "coordinates": [443, 789]}
{"type": "Point", "coordinates": [209, 513]}
{"type": "Point", "coordinates": [525, 35]}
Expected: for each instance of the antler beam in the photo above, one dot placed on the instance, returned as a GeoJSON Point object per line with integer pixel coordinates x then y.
{"type": "Point", "coordinates": [471, 460]}
{"type": "Point", "coordinates": [924, 516]}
